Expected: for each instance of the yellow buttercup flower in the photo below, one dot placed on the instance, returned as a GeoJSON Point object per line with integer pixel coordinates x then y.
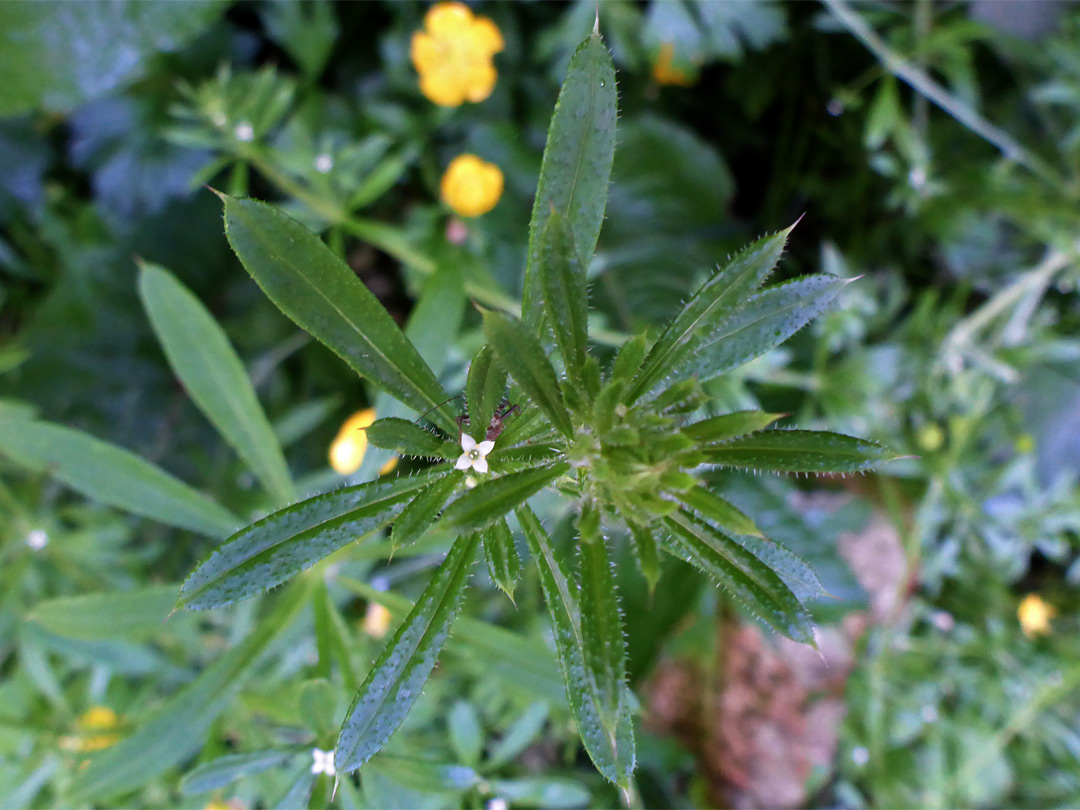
{"type": "Point", "coordinates": [95, 729]}
{"type": "Point", "coordinates": [471, 186]}
{"type": "Point", "coordinates": [348, 448]}
{"type": "Point", "coordinates": [664, 70]}
{"type": "Point", "coordinates": [376, 620]}
{"type": "Point", "coordinates": [1035, 615]}
{"type": "Point", "coordinates": [453, 55]}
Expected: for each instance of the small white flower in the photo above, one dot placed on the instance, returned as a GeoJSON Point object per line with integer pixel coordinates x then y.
{"type": "Point", "coordinates": [929, 714]}
{"type": "Point", "coordinates": [324, 163]}
{"type": "Point", "coordinates": [323, 762]}
{"type": "Point", "coordinates": [859, 755]}
{"type": "Point", "coordinates": [37, 539]}
{"type": "Point", "coordinates": [474, 454]}
{"type": "Point", "coordinates": [498, 803]}
{"type": "Point", "coordinates": [471, 482]}
{"type": "Point", "coordinates": [244, 131]}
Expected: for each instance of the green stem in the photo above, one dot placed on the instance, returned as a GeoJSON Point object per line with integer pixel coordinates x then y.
{"type": "Point", "coordinates": [922, 83]}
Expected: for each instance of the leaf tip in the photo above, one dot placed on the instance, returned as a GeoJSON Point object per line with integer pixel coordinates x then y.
{"type": "Point", "coordinates": [221, 194]}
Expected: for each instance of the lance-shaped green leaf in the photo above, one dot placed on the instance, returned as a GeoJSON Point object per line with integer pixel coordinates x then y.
{"type": "Point", "coordinates": [212, 374]}
{"type": "Point", "coordinates": [521, 354]}
{"type": "Point", "coordinates": [646, 553]}
{"type": "Point", "coordinates": [786, 564]}
{"type": "Point", "coordinates": [129, 615]}
{"type": "Point", "coordinates": [408, 439]}
{"type": "Point", "coordinates": [502, 557]}
{"type": "Point", "coordinates": [723, 292]}
{"type": "Point", "coordinates": [603, 644]}
{"type": "Point", "coordinates": [566, 295]}
{"type": "Point", "coordinates": [611, 749]}
{"type": "Point", "coordinates": [722, 514]}
{"type": "Point", "coordinates": [317, 290]}
{"type": "Point", "coordinates": [484, 390]}
{"type": "Point", "coordinates": [217, 773]}
{"type": "Point", "coordinates": [115, 476]}
{"type": "Point", "coordinates": [284, 543]}
{"type": "Point", "coordinates": [491, 499]}
{"type": "Point", "coordinates": [576, 167]}
{"type": "Point", "coordinates": [522, 664]}
{"type": "Point", "coordinates": [740, 573]}
{"type": "Point", "coordinates": [730, 425]}
{"type": "Point", "coordinates": [395, 682]}
{"type": "Point", "coordinates": [801, 451]}
{"type": "Point", "coordinates": [766, 320]}
{"type": "Point", "coordinates": [176, 730]}
{"type": "Point", "coordinates": [420, 514]}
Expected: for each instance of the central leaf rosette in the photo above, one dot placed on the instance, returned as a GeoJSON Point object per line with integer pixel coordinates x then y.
{"type": "Point", "coordinates": [627, 443]}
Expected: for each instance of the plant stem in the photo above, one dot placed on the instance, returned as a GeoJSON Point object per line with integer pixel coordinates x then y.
{"type": "Point", "coordinates": [922, 83]}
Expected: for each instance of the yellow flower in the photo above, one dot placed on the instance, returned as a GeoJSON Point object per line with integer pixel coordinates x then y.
{"type": "Point", "coordinates": [453, 55]}
{"type": "Point", "coordinates": [470, 186]}
{"type": "Point", "coordinates": [347, 450]}
{"type": "Point", "coordinates": [1035, 615]}
{"type": "Point", "coordinates": [664, 70]}
{"type": "Point", "coordinates": [376, 620]}
{"type": "Point", "coordinates": [94, 730]}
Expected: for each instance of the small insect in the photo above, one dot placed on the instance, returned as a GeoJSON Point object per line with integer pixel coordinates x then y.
{"type": "Point", "coordinates": [497, 423]}
{"type": "Point", "coordinates": [502, 413]}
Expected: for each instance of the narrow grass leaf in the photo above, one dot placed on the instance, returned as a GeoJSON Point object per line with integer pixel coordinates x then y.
{"type": "Point", "coordinates": [740, 573]}
{"type": "Point", "coordinates": [223, 771]}
{"type": "Point", "coordinates": [800, 451]}
{"type": "Point", "coordinates": [576, 166]}
{"type": "Point", "coordinates": [395, 682]}
{"type": "Point", "coordinates": [317, 290]}
{"type": "Point", "coordinates": [213, 376]}
{"type": "Point", "coordinates": [566, 295]}
{"type": "Point", "coordinates": [492, 499]}
{"type": "Point", "coordinates": [115, 476]}
{"type": "Point", "coordinates": [609, 752]}
{"type": "Point", "coordinates": [284, 543]}
{"type": "Point", "coordinates": [521, 354]}
{"type": "Point", "coordinates": [178, 729]}
{"type": "Point", "coordinates": [130, 615]}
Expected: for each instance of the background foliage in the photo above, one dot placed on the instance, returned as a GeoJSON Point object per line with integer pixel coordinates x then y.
{"type": "Point", "coordinates": [933, 150]}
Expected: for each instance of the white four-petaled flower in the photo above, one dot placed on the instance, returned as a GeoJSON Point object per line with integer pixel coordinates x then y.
{"type": "Point", "coordinates": [474, 454]}
{"type": "Point", "coordinates": [323, 762]}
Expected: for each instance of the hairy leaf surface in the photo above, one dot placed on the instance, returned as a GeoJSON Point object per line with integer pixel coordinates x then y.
{"type": "Point", "coordinates": [395, 682]}
{"type": "Point", "coordinates": [524, 358]}
{"type": "Point", "coordinates": [738, 571]}
{"type": "Point", "coordinates": [317, 290]}
{"type": "Point", "coordinates": [576, 166]}
{"type": "Point", "coordinates": [801, 451]}
{"type": "Point", "coordinates": [610, 748]}
{"type": "Point", "coordinates": [283, 544]}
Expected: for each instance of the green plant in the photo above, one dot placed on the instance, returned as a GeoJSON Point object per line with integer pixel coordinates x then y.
{"type": "Point", "coordinates": [624, 445]}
